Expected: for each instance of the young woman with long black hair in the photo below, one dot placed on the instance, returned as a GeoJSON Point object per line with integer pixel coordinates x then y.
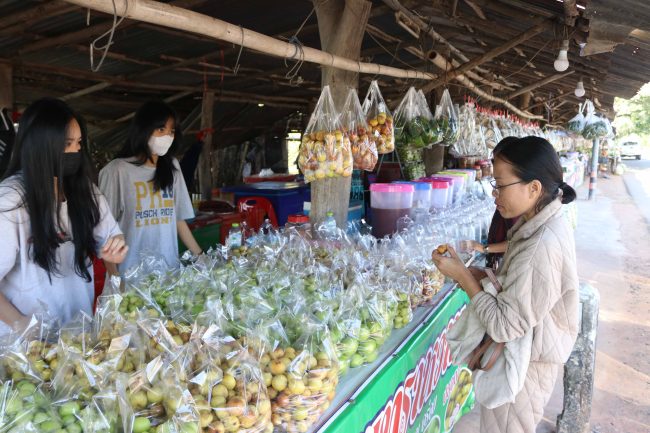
{"type": "Point", "coordinates": [53, 220]}
{"type": "Point", "coordinates": [146, 190]}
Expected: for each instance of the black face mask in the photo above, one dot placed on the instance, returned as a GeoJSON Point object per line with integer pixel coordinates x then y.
{"type": "Point", "coordinates": [71, 163]}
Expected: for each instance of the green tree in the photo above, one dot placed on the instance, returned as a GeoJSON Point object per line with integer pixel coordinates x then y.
{"type": "Point", "coordinates": [633, 115]}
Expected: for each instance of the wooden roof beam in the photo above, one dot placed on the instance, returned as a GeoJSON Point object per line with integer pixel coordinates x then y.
{"type": "Point", "coordinates": [18, 21]}
{"type": "Point", "coordinates": [495, 52]}
{"type": "Point", "coordinates": [570, 12]}
{"type": "Point", "coordinates": [93, 30]}
{"type": "Point", "coordinates": [549, 100]}
{"type": "Point", "coordinates": [536, 85]}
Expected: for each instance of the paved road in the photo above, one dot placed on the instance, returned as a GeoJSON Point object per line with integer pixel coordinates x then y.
{"type": "Point", "coordinates": [637, 182]}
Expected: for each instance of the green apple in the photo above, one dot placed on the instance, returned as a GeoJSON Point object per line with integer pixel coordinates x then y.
{"type": "Point", "coordinates": [74, 428]}
{"type": "Point", "coordinates": [367, 347]}
{"type": "Point", "coordinates": [69, 408]}
{"type": "Point", "coordinates": [155, 395]}
{"type": "Point", "coordinates": [364, 333]}
{"type": "Point", "coordinates": [49, 426]}
{"type": "Point", "coordinates": [40, 417]}
{"type": "Point", "coordinates": [190, 427]}
{"type": "Point", "coordinates": [138, 400]}
{"type": "Point", "coordinates": [13, 406]}
{"type": "Point", "coordinates": [370, 357]}
{"type": "Point", "coordinates": [349, 346]}
{"type": "Point", "coordinates": [141, 424]}
{"type": "Point", "coordinates": [356, 360]}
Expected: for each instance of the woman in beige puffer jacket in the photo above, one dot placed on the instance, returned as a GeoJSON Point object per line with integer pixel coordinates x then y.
{"type": "Point", "coordinates": [539, 277]}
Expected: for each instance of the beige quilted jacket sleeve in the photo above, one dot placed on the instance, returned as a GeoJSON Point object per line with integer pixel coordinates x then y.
{"type": "Point", "coordinates": [532, 286]}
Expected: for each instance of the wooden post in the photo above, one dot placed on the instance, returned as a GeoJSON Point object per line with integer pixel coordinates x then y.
{"type": "Point", "coordinates": [341, 25]}
{"type": "Point", "coordinates": [205, 162]}
{"type": "Point", "coordinates": [6, 86]}
{"type": "Point", "coordinates": [593, 177]}
{"type": "Point", "coordinates": [524, 100]}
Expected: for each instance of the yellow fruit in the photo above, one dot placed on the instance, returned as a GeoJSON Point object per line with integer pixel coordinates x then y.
{"type": "Point", "coordinates": [218, 401]}
{"type": "Point", "coordinates": [296, 386]}
{"type": "Point", "coordinates": [229, 381]}
{"type": "Point", "coordinates": [278, 367]}
{"type": "Point", "coordinates": [279, 382]}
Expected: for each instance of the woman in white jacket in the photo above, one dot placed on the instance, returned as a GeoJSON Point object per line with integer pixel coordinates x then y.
{"type": "Point", "coordinates": [538, 275]}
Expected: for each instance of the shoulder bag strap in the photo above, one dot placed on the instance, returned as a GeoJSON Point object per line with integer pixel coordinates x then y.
{"type": "Point", "coordinates": [477, 354]}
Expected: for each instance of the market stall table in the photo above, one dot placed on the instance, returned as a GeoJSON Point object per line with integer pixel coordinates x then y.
{"type": "Point", "coordinates": [412, 381]}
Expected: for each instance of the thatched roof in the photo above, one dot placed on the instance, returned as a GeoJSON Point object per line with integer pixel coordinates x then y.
{"type": "Point", "coordinates": [48, 45]}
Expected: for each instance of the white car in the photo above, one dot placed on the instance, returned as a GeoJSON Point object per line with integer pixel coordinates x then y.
{"type": "Point", "coordinates": [631, 149]}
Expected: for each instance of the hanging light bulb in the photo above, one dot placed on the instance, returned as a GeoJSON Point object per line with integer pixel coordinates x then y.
{"type": "Point", "coordinates": [580, 89]}
{"type": "Point", "coordinates": [561, 64]}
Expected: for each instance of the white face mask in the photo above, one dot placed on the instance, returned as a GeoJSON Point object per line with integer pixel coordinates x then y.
{"type": "Point", "coordinates": [160, 145]}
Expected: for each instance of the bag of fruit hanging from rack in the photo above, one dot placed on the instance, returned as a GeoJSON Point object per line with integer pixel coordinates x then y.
{"type": "Point", "coordinates": [325, 150]}
{"type": "Point", "coordinates": [469, 141]}
{"type": "Point", "coordinates": [433, 133]}
{"type": "Point", "coordinates": [412, 128]}
{"type": "Point", "coordinates": [353, 121]}
{"type": "Point", "coordinates": [595, 126]}
{"type": "Point", "coordinates": [448, 119]}
{"type": "Point", "coordinates": [380, 121]}
{"type": "Point", "coordinates": [577, 123]}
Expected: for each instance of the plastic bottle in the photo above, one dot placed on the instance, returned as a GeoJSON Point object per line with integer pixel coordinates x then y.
{"type": "Point", "coordinates": [267, 227]}
{"type": "Point", "coordinates": [328, 227]}
{"type": "Point", "coordinates": [234, 239]}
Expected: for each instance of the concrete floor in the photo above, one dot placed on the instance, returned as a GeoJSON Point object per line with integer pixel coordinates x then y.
{"type": "Point", "coordinates": [613, 250]}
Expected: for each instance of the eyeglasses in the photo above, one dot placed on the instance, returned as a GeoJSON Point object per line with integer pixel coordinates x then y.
{"type": "Point", "coordinates": [495, 188]}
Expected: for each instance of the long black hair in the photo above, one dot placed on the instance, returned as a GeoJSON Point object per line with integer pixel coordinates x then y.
{"type": "Point", "coordinates": [38, 159]}
{"type": "Point", "coordinates": [533, 158]}
{"type": "Point", "coordinates": [151, 116]}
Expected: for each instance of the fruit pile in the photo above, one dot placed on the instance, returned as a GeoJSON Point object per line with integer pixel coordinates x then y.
{"type": "Point", "coordinates": [229, 343]}
{"type": "Point", "coordinates": [325, 154]}
{"type": "Point", "coordinates": [380, 121]}
{"type": "Point", "coordinates": [364, 151]}
{"type": "Point", "coordinates": [381, 127]}
{"type": "Point", "coordinates": [353, 121]}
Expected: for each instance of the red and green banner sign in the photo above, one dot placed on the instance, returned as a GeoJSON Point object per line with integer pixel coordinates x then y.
{"type": "Point", "coordinates": [419, 390]}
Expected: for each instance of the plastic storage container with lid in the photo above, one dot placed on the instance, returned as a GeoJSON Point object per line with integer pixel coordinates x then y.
{"type": "Point", "coordinates": [440, 194]}
{"type": "Point", "coordinates": [389, 202]}
{"type": "Point", "coordinates": [458, 182]}
{"type": "Point", "coordinates": [421, 195]}
{"type": "Point", "coordinates": [468, 174]}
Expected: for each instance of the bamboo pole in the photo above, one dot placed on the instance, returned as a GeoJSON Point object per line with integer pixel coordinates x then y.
{"type": "Point", "coordinates": [495, 52]}
{"type": "Point", "coordinates": [169, 16]}
{"type": "Point", "coordinates": [444, 64]}
{"type": "Point", "coordinates": [538, 84]}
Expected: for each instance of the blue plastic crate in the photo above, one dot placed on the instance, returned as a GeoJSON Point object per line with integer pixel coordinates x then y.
{"type": "Point", "coordinates": [286, 197]}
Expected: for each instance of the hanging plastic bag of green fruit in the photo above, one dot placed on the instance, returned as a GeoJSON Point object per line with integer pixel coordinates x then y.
{"type": "Point", "coordinates": [411, 126]}
{"type": "Point", "coordinates": [577, 123]}
{"type": "Point", "coordinates": [325, 149]}
{"type": "Point", "coordinates": [447, 119]}
{"type": "Point", "coordinates": [362, 142]}
{"type": "Point", "coordinates": [380, 121]}
{"type": "Point", "coordinates": [595, 126]}
{"type": "Point", "coordinates": [434, 134]}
